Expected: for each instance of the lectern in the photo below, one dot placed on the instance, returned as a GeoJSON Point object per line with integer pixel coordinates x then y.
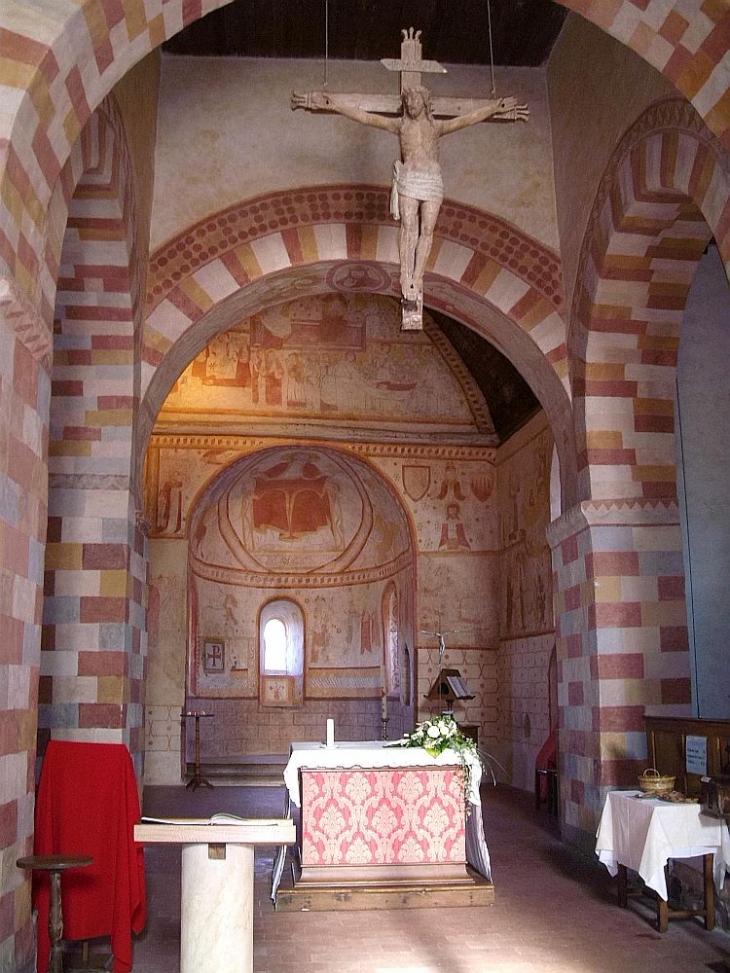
{"type": "Point", "coordinates": [447, 688]}
{"type": "Point", "coordinates": [217, 885]}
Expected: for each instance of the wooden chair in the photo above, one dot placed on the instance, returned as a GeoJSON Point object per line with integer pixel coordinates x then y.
{"type": "Point", "coordinates": [546, 775]}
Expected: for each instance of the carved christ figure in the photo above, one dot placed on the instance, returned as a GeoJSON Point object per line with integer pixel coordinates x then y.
{"type": "Point", "coordinates": [417, 189]}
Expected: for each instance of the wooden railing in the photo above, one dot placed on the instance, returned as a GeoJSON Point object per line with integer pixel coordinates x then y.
{"type": "Point", "coordinates": [667, 746]}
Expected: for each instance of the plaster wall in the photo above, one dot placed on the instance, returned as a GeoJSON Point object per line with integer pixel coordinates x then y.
{"type": "Point", "coordinates": [166, 665]}
{"type": "Point", "coordinates": [140, 124]}
{"type": "Point", "coordinates": [226, 133]}
{"type": "Point", "coordinates": [596, 88]}
{"type": "Point", "coordinates": [527, 632]}
{"type": "Point", "coordinates": [703, 398]}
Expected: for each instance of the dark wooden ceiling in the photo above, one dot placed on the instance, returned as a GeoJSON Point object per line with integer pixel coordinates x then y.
{"type": "Point", "coordinates": [510, 400]}
{"type": "Point", "coordinates": [453, 31]}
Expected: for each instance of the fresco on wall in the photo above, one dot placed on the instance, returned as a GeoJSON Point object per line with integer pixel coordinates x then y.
{"type": "Point", "coordinates": [171, 499]}
{"type": "Point", "coordinates": [314, 525]}
{"type": "Point", "coordinates": [323, 361]}
{"type": "Point", "coordinates": [333, 356]}
{"type": "Point", "coordinates": [451, 501]}
{"type": "Point", "coordinates": [468, 613]}
{"type": "Point", "coordinates": [404, 488]}
{"type": "Point", "coordinates": [295, 511]}
{"type": "Point", "coordinates": [527, 592]}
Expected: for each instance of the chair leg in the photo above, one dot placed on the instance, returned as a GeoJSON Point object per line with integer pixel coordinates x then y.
{"type": "Point", "coordinates": [623, 889]}
{"type": "Point", "coordinates": [552, 789]}
{"type": "Point", "coordinates": [709, 884]}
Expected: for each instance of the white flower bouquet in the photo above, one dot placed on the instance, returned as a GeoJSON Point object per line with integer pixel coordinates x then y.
{"type": "Point", "coordinates": [442, 733]}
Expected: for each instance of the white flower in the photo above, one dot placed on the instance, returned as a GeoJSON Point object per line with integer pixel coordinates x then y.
{"type": "Point", "coordinates": [434, 732]}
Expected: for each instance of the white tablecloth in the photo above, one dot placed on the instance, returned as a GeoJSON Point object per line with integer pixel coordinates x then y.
{"type": "Point", "coordinates": [644, 834]}
{"type": "Point", "coordinates": [370, 754]}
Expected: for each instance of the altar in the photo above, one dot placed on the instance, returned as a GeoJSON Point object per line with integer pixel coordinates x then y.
{"type": "Point", "coordinates": [382, 827]}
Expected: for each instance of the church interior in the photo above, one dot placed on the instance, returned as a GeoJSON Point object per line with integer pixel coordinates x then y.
{"type": "Point", "coordinates": [234, 486]}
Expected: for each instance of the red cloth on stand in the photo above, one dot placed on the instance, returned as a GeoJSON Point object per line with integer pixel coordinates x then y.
{"type": "Point", "coordinates": [88, 804]}
{"type": "Point", "coordinates": [547, 759]}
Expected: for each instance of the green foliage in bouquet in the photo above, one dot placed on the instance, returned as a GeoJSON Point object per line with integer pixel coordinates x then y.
{"type": "Point", "coordinates": [442, 733]}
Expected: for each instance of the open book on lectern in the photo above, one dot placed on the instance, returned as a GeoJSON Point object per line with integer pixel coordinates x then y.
{"type": "Point", "coordinates": [220, 817]}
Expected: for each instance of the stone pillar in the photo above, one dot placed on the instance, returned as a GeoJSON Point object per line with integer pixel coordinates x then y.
{"type": "Point", "coordinates": [217, 902]}
{"type": "Point", "coordinates": [217, 926]}
{"type": "Point", "coordinates": [94, 634]}
{"type": "Point", "coordinates": [24, 403]}
{"type": "Point", "coordinates": [621, 632]}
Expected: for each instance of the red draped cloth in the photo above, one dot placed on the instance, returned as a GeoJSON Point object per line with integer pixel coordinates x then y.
{"type": "Point", "coordinates": [88, 804]}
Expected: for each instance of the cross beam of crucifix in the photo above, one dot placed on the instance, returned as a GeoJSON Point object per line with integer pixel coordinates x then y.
{"type": "Point", "coordinates": [411, 65]}
{"type": "Point", "coordinates": [415, 117]}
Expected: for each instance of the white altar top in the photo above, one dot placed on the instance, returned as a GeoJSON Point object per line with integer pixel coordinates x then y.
{"type": "Point", "coordinates": [644, 833]}
{"type": "Point", "coordinates": [369, 754]}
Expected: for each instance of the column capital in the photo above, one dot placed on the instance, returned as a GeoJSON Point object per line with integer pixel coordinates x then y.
{"type": "Point", "coordinates": [25, 321]}
{"type": "Point", "coordinates": [622, 512]}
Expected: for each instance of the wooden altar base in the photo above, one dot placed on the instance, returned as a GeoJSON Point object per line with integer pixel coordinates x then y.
{"type": "Point", "coordinates": [473, 890]}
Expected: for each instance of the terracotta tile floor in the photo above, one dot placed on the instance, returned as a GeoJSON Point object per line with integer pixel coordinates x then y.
{"type": "Point", "coordinates": [555, 911]}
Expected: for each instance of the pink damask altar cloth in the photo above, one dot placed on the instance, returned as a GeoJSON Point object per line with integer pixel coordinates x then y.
{"type": "Point", "coordinates": [383, 814]}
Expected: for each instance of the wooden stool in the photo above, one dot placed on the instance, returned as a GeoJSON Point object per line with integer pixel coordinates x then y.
{"type": "Point", "coordinates": [54, 865]}
{"type": "Point", "coordinates": [197, 780]}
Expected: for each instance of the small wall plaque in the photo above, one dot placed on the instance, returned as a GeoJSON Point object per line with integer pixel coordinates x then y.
{"type": "Point", "coordinates": [214, 656]}
{"type": "Point", "coordinates": [695, 755]}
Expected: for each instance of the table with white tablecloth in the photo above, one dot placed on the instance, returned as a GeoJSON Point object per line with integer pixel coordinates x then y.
{"type": "Point", "coordinates": [644, 834]}
{"type": "Point", "coordinates": [400, 812]}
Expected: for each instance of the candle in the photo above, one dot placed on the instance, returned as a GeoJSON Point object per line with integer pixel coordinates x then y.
{"type": "Point", "coordinates": [384, 705]}
{"type": "Point", "coordinates": [330, 733]}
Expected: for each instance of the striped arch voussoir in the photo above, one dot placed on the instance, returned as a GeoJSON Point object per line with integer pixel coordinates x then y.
{"type": "Point", "coordinates": [231, 250]}
{"type": "Point", "coordinates": [664, 194]}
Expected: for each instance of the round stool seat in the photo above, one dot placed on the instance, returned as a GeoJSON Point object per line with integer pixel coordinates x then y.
{"type": "Point", "coordinates": [54, 863]}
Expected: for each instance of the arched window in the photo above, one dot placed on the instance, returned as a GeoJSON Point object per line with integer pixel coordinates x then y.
{"type": "Point", "coordinates": [281, 653]}
{"type": "Point", "coordinates": [275, 646]}
{"type": "Point", "coordinates": [390, 620]}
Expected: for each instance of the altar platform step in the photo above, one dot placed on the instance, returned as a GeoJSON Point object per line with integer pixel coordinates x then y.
{"type": "Point", "coordinates": [471, 891]}
{"type": "Point", "coordinates": [251, 770]}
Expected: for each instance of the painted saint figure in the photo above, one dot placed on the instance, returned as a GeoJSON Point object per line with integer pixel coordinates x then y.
{"type": "Point", "coordinates": [417, 189]}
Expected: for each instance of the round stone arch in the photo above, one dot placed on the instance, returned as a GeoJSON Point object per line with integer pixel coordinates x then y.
{"type": "Point", "coordinates": [484, 272]}
{"type": "Point", "coordinates": [49, 52]}
{"type": "Point", "coordinates": [97, 315]}
{"type": "Point", "coordinates": [664, 195]}
{"type": "Point", "coordinates": [98, 171]}
{"type": "Point", "coordinates": [687, 45]}
{"type": "Point", "coordinates": [448, 296]}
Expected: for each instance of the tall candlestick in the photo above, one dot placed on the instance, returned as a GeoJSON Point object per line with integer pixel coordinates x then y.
{"type": "Point", "coordinates": [383, 693]}
{"type": "Point", "coordinates": [330, 733]}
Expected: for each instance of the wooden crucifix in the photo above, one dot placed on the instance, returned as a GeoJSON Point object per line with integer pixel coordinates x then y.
{"type": "Point", "coordinates": [417, 186]}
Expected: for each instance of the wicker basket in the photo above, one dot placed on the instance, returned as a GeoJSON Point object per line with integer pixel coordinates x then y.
{"type": "Point", "coordinates": [652, 782]}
